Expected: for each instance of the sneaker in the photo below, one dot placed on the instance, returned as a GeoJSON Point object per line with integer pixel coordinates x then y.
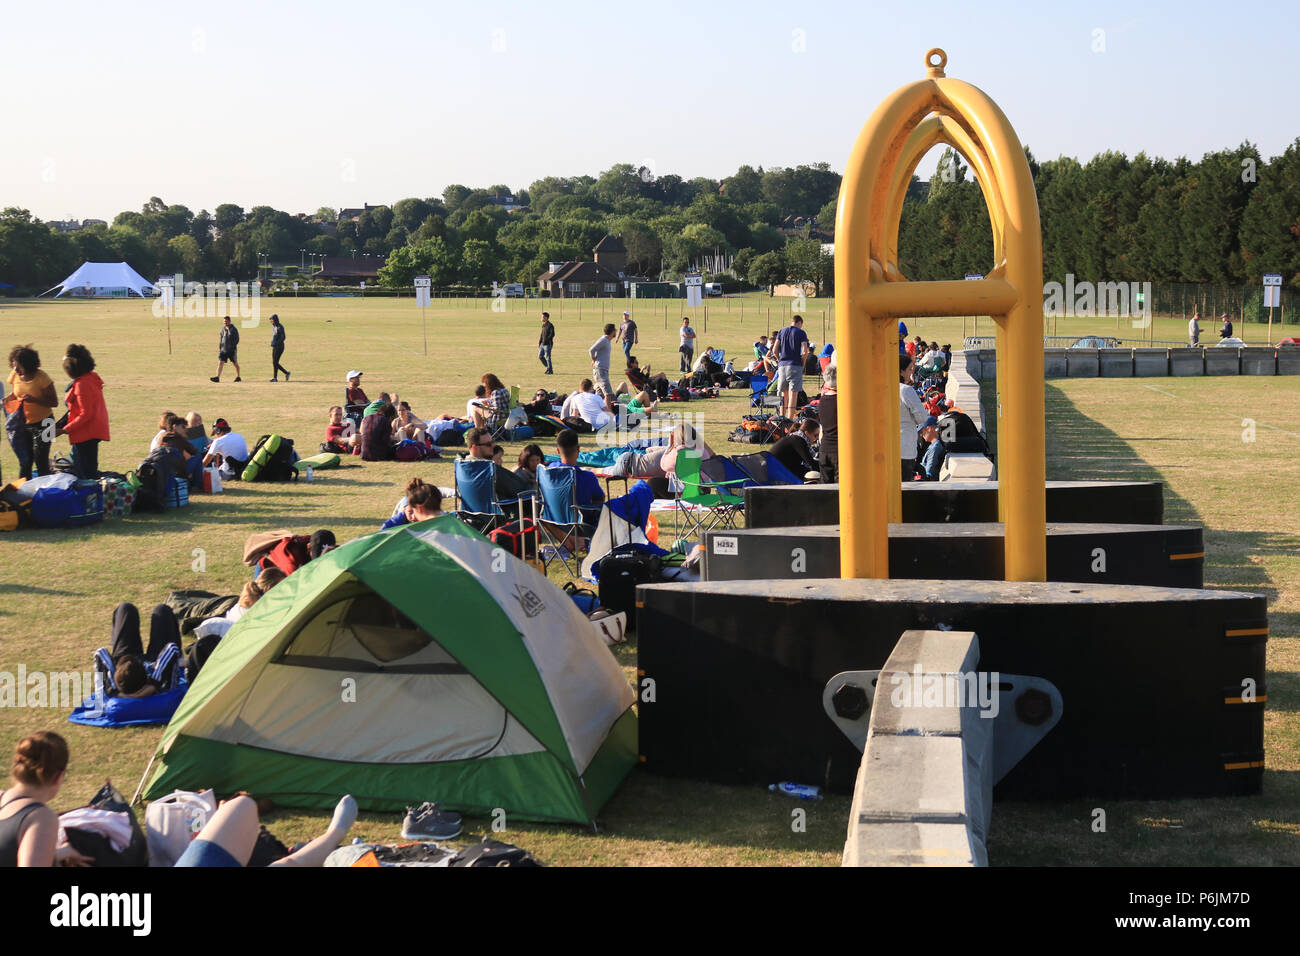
{"type": "Point", "coordinates": [274, 380]}
{"type": "Point", "coordinates": [286, 375]}
{"type": "Point", "coordinates": [429, 821]}
{"type": "Point", "coordinates": [214, 379]}
{"type": "Point", "coordinates": [238, 379]}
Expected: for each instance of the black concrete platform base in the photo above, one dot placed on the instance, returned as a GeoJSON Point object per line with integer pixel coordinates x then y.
{"type": "Point", "coordinates": [1124, 502]}
{"type": "Point", "coordinates": [1163, 689]}
{"type": "Point", "coordinates": [1171, 556]}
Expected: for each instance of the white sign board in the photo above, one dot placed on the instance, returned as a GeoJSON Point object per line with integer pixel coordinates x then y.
{"type": "Point", "coordinates": [1272, 296]}
{"type": "Point", "coordinates": [422, 285]}
{"type": "Point", "coordinates": [1273, 278]}
{"type": "Point", "coordinates": [694, 279]}
{"type": "Point", "coordinates": [295, 287]}
{"type": "Point", "coordinates": [694, 289]}
{"type": "Point", "coordinates": [973, 276]}
{"type": "Point", "coordinates": [363, 284]}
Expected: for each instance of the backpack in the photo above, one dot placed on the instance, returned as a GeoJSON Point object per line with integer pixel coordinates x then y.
{"type": "Point", "coordinates": [967, 437]}
{"type": "Point", "coordinates": [410, 450]}
{"type": "Point", "coordinates": [155, 475]}
{"type": "Point", "coordinates": [272, 459]}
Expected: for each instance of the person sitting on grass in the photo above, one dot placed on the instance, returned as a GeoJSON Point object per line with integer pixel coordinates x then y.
{"type": "Point", "coordinates": [587, 405]}
{"type": "Point", "coordinates": [376, 440]}
{"type": "Point", "coordinates": [195, 432]}
{"type": "Point", "coordinates": [340, 435]}
{"type": "Point", "coordinates": [169, 423]}
{"type": "Point", "coordinates": [407, 426]}
{"type": "Point", "coordinates": [227, 449]}
{"type": "Point", "coordinates": [29, 829]}
{"type": "Point", "coordinates": [423, 501]}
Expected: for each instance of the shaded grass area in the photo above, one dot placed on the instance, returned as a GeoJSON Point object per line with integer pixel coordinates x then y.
{"type": "Point", "coordinates": [1189, 434]}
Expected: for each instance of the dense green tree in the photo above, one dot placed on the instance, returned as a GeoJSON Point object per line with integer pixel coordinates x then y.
{"type": "Point", "coordinates": [1270, 225]}
{"type": "Point", "coordinates": [768, 270]}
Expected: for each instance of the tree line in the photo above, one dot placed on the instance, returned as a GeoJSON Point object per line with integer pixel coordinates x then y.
{"type": "Point", "coordinates": [1228, 218]}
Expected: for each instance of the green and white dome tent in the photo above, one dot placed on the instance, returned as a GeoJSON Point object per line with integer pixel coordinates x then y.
{"type": "Point", "coordinates": [420, 663]}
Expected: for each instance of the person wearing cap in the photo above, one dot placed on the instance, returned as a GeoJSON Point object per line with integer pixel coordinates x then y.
{"type": "Point", "coordinates": [902, 338]}
{"type": "Point", "coordinates": [227, 349]}
{"type": "Point", "coordinates": [277, 349]}
{"type": "Point", "coordinates": [354, 398]}
{"type": "Point", "coordinates": [1194, 330]}
{"type": "Point", "coordinates": [227, 449]}
{"type": "Point", "coordinates": [1226, 331]}
{"type": "Point", "coordinates": [627, 334]}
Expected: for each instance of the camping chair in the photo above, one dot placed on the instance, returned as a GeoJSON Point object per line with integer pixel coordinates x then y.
{"type": "Point", "coordinates": [712, 505]}
{"type": "Point", "coordinates": [476, 495]}
{"type": "Point", "coordinates": [758, 395]}
{"type": "Point", "coordinates": [764, 468]}
{"type": "Point", "coordinates": [353, 412]}
{"type": "Point", "coordinates": [560, 521]}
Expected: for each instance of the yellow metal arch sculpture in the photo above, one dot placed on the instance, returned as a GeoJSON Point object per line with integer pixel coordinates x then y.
{"type": "Point", "coordinates": [872, 294]}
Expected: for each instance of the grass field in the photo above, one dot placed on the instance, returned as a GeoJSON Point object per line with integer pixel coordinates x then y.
{"type": "Point", "coordinates": [58, 588]}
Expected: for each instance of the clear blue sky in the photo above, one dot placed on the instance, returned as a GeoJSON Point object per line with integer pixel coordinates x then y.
{"type": "Point", "coordinates": [299, 105]}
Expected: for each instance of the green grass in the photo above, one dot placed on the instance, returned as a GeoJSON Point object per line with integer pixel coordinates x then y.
{"type": "Point", "coordinates": [58, 588]}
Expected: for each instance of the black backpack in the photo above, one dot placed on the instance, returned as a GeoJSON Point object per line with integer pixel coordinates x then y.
{"type": "Point", "coordinates": [967, 437]}
{"type": "Point", "coordinates": [280, 466]}
{"type": "Point", "coordinates": [155, 474]}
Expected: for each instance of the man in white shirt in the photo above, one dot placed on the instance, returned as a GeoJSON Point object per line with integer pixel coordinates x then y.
{"type": "Point", "coordinates": [227, 448]}
{"type": "Point", "coordinates": [687, 347]}
{"type": "Point", "coordinates": [587, 405]}
{"type": "Point", "coordinates": [911, 415]}
{"type": "Point", "coordinates": [1194, 329]}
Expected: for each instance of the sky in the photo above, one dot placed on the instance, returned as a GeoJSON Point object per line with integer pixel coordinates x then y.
{"type": "Point", "coordinates": [302, 105]}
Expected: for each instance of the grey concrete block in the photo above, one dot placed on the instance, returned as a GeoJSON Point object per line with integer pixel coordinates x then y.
{"type": "Point", "coordinates": [1288, 361]}
{"type": "Point", "coordinates": [1222, 361]}
{"type": "Point", "coordinates": [1258, 361]}
{"type": "Point", "coordinates": [908, 844]}
{"type": "Point", "coordinates": [1186, 362]}
{"type": "Point", "coordinates": [1150, 363]}
{"type": "Point", "coordinates": [912, 778]}
{"type": "Point", "coordinates": [1054, 364]}
{"type": "Point", "coordinates": [1082, 363]}
{"type": "Point", "coordinates": [1116, 363]}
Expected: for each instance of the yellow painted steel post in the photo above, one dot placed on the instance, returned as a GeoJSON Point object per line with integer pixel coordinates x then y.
{"type": "Point", "coordinates": [872, 293]}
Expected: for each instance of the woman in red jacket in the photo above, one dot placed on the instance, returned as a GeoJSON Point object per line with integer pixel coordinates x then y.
{"type": "Point", "coordinates": [87, 419]}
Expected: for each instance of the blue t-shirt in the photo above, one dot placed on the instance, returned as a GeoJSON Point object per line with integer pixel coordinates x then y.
{"type": "Point", "coordinates": [789, 345]}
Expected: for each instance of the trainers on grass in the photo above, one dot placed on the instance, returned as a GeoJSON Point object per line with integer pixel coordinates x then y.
{"type": "Point", "coordinates": [429, 821]}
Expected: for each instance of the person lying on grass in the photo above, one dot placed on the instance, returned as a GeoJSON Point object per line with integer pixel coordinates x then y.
{"type": "Point", "coordinates": [29, 829]}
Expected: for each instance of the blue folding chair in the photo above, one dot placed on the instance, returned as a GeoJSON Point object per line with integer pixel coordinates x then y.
{"type": "Point", "coordinates": [476, 495]}
{"type": "Point", "coordinates": [561, 521]}
{"type": "Point", "coordinates": [764, 468]}
{"type": "Point", "coordinates": [758, 396]}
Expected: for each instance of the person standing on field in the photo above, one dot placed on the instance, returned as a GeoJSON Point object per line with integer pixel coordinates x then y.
{"type": "Point", "coordinates": [227, 349]}
{"type": "Point", "coordinates": [546, 342]}
{"type": "Point", "coordinates": [277, 349]}
{"type": "Point", "coordinates": [627, 334]}
{"type": "Point", "coordinates": [687, 346]}
{"type": "Point", "coordinates": [599, 352]}
{"type": "Point", "coordinates": [1194, 329]}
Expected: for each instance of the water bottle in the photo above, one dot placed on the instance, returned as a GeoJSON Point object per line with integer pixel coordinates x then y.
{"type": "Point", "coordinates": [308, 475]}
{"type": "Point", "coordinates": [798, 790]}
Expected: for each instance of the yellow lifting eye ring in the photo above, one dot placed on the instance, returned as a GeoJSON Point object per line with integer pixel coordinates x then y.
{"type": "Point", "coordinates": [935, 61]}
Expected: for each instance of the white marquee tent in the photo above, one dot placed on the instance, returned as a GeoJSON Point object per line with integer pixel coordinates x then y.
{"type": "Point", "coordinates": [104, 279]}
